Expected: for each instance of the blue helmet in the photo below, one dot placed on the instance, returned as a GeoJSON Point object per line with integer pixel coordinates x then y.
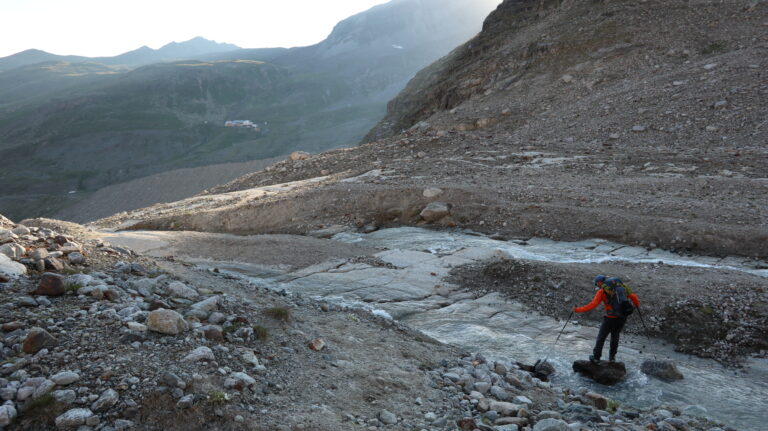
{"type": "Point", "coordinates": [598, 279]}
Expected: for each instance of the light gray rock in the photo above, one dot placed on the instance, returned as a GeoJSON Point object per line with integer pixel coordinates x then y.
{"type": "Point", "coordinates": [202, 353]}
{"type": "Point", "coordinates": [217, 318]}
{"type": "Point", "coordinates": [387, 417]}
{"type": "Point", "coordinates": [172, 380]}
{"type": "Point", "coordinates": [38, 253]}
{"type": "Point", "coordinates": [522, 399]}
{"type": "Point", "coordinates": [136, 326]}
{"type": "Point", "coordinates": [107, 399]}
{"type": "Point", "coordinates": [26, 301]}
{"type": "Point", "coordinates": [65, 396]}
{"type": "Point", "coordinates": [21, 230]}
{"type": "Point", "coordinates": [186, 402]}
{"type": "Point", "coordinates": [45, 387]}
{"type": "Point", "coordinates": [243, 378]}
{"type": "Point", "coordinates": [76, 258]}
{"type": "Point", "coordinates": [123, 425]}
{"type": "Point", "coordinates": [10, 268]}
{"type": "Point", "coordinates": [435, 211]}
{"type": "Point", "coordinates": [8, 393]}
{"type": "Point", "coordinates": [12, 250]}
{"type": "Point", "coordinates": [81, 280]}
{"type": "Point", "coordinates": [548, 414]}
{"type": "Point", "coordinates": [7, 413]}
{"type": "Point", "coordinates": [432, 193]}
{"type": "Point", "coordinates": [500, 393]}
{"type": "Point", "coordinates": [207, 305]}
{"type": "Point", "coordinates": [178, 289]}
{"type": "Point", "coordinates": [551, 425]}
{"type": "Point", "coordinates": [504, 408]}
{"type": "Point", "coordinates": [65, 378]}
{"type": "Point", "coordinates": [73, 418]}
{"type": "Point", "coordinates": [166, 322]}
{"type": "Point", "coordinates": [482, 387]}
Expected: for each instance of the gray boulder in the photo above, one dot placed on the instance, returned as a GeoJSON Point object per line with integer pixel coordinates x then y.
{"type": "Point", "coordinates": [435, 211]}
{"type": "Point", "coordinates": [73, 418]}
{"type": "Point", "coordinates": [551, 424]}
{"type": "Point", "coordinates": [166, 322]}
{"type": "Point", "coordinates": [664, 370]}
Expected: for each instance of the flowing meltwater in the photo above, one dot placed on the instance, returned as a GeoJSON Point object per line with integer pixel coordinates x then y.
{"type": "Point", "coordinates": [406, 283]}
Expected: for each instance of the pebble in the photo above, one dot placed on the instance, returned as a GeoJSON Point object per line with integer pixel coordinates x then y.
{"type": "Point", "coordinates": [186, 402]}
{"type": "Point", "coordinates": [201, 353]}
{"type": "Point", "coordinates": [387, 417]}
{"type": "Point", "coordinates": [65, 378]}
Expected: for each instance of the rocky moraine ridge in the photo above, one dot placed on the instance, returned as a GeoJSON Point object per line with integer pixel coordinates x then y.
{"type": "Point", "coordinates": [95, 337]}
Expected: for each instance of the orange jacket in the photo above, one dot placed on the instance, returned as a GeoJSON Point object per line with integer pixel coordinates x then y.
{"type": "Point", "coordinates": [600, 296]}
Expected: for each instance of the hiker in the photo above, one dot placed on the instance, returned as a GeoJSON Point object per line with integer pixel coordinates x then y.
{"type": "Point", "coordinates": [616, 298]}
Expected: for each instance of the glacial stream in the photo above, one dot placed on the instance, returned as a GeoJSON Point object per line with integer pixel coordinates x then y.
{"type": "Point", "coordinates": [409, 287]}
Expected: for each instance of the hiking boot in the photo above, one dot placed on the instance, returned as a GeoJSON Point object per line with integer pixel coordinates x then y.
{"type": "Point", "coordinates": [593, 359]}
{"type": "Point", "coordinates": [612, 360]}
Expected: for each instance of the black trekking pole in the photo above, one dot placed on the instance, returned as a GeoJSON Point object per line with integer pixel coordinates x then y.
{"type": "Point", "coordinates": [558, 336]}
{"type": "Point", "coordinates": [561, 331]}
{"type": "Point", "coordinates": [639, 313]}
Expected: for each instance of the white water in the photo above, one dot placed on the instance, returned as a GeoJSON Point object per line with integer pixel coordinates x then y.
{"type": "Point", "coordinates": [414, 293]}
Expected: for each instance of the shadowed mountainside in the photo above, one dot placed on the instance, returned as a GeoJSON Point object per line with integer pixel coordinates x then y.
{"type": "Point", "coordinates": [101, 126]}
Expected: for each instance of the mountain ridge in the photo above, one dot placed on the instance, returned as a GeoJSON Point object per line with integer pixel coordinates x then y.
{"type": "Point", "coordinates": [186, 50]}
{"type": "Point", "coordinates": [167, 116]}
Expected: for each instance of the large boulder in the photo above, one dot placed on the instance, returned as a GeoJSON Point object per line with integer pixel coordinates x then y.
{"type": "Point", "coordinates": [551, 425]}
{"type": "Point", "coordinates": [166, 322]}
{"type": "Point", "coordinates": [299, 155]}
{"type": "Point", "coordinates": [38, 339]}
{"type": "Point", "coordinates": [606, 373]}
{"type": "Point", "coordinates": [12, 250]}
{"type": "Point", "coordinates": [435, 211]}
{"type": "Point", "coordinates": [73, 418]}
{"type": "Point", "coordinates": [664, 370]}
{"type": "Point", "coordinates": [10, 268]}
{"type": "Point", "coordinates": [50, 285]}
{"type": "Point", "coordinates": [5, 223]}
{"type": "Point", "coordinates": [178, 289]}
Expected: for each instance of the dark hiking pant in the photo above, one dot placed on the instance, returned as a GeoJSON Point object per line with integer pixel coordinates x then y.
{"type": "Point", "coordinates": [612, 326]}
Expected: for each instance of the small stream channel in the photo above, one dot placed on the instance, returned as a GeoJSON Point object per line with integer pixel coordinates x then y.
{"type": "Point", "coordinates": [411, 290]}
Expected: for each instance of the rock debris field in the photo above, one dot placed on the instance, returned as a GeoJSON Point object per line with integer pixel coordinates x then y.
{"type": "Point", "coordinates": [110, 340]}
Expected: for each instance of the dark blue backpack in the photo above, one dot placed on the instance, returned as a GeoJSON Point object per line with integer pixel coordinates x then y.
{"type": "Point", "coordinates": [618, 297]}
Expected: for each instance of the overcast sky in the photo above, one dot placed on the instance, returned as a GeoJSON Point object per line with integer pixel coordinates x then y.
{"type": "Point", "coordinates": [108, 27]}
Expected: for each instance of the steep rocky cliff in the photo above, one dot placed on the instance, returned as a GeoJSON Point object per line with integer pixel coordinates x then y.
{"type": "Point", "coordinates": [542, 54]}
